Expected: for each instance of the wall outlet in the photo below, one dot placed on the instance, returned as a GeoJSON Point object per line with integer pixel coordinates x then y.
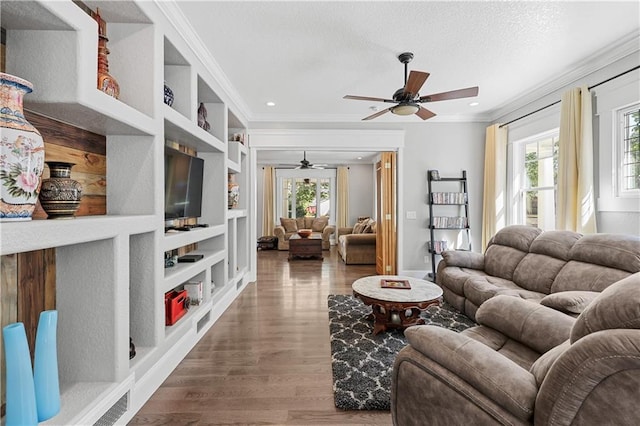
{"type": "Point", "coordinates": [411, 215]}
{"type": "Point", "coordinates": [426, 259]}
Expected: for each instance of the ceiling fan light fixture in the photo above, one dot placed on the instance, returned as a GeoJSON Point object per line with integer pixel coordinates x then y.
{"type": "Point", "coordinates": [405, 109]}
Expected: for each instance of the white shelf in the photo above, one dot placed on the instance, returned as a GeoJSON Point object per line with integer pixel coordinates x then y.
{"type": "Point", "coordinates": [233, 167]}
{"type": "Point", "coordinates": [187, 321]}
{"type": "Point", "coordinates": [179, 128]}
{"type": "Point", "coordinates": [183, 238]}
{"type": "Point", "coordinates": [235, 213]}
{"type": "Point", "coordinates": [17, 237]}
{"type": "Point", "coordinates": [182, 272]}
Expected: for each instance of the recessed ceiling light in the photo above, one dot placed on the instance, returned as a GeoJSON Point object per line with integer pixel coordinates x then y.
{"type": "Point", "coordinates": [271, 103]}
{"type": "Point", "coordinates": [373, 108]}
{"type": "Point", "coordinates": [474, 104]}
{"type": "Point", "coordinates": [359, 158]}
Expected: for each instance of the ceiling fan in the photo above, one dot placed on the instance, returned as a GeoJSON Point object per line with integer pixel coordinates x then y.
{"type": "Point", "coordinates": [305, 164]}
{"type": "Point", "coordinates": [408, 99]}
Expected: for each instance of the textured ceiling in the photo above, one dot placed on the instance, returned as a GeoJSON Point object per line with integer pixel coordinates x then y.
{"type": "Point", "coordinates": [306, 55]}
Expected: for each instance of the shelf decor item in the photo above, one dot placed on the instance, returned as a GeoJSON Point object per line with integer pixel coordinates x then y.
{"type": "Point", "coordinates": [20, 390]}
{"type": "Point", "coordinates": [21, 152]}
{"type": "Point", "coordinates": [168, 95]}
{"type": "Point", "coordinates": [106, 82]}
{"type": "Point", "coordinates": [233, 192]}
{"type": "Point", "coordinates": [45, 367]}
{"type": "Point", "coordinates": [202, 117]}
{"type": "Point", "coordinates": [60, 195]}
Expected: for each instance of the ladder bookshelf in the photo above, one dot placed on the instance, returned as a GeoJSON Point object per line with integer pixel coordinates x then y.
{"type": "Point", "coordinates": [448, 214]}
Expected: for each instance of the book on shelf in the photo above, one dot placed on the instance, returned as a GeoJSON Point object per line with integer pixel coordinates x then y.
{"type": "Point", "coordinates": [448, 197]}
{"type": "Point", "coordinates": [399, 284]}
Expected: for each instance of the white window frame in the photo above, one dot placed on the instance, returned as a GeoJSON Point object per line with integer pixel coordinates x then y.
{"type": "Point", "coordinates": [618, 157]}
{"type": "Point", "coordinates": [516, 176]}
{"type": "Point", "coordinates": [307, 173]}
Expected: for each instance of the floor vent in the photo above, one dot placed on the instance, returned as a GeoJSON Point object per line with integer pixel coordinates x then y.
{"type": "Point", "coordinates": [203, 321]}
{"type": "Point", "coordinates": [114, 413]}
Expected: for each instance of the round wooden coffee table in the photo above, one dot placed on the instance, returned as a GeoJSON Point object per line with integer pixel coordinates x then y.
{"type": "Point", "coordinates": [395, 307]}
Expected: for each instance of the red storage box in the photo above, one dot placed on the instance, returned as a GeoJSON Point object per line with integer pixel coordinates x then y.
{"type": "Point", "coordinates": [175, 306]}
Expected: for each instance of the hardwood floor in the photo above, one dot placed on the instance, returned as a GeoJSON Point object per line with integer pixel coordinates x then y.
{"type": "Point", "coordinates": [267, 360]}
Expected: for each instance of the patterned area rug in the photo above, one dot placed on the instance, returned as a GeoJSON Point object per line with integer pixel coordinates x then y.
{"type": "Point", "coordinates": [362, 363]}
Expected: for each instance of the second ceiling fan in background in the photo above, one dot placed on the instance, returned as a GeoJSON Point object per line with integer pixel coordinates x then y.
{"type": "Point", "coordinates": [408, 98]}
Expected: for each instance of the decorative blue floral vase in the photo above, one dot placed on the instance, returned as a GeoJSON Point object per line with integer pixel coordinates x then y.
{"type": "Point", "coordinates": [45, 367]}
{"type": "Point", "coordinates": [21, 397]}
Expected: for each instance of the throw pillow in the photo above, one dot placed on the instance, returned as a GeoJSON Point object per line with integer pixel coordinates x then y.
{"type": "Point", "coordinates": [319, 224]}
{"type": "Point", "coordinates": [572, 302]}
{"type": "Point", "coordinates": [288, 224]}
{"type": "Point", "coordinates": [358, 228]}
{"type": "Point", "coordinates": [368, 228]}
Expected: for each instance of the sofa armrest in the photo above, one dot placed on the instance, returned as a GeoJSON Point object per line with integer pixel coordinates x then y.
{"type": "Point", "coordinates": [360, 240]}
{"type": "Point", "coordinates": [464, 259]}
{"type": "Point", "coordinates": [279, 232]}
{"type": "Point", "coordinates": [534, 325]}
{"type": "Point", "coordinates": [327, 231]}
{"type": "Point", "coordinates": [344, 231]}
{"type": "Point", "coordinates": [494, 375]}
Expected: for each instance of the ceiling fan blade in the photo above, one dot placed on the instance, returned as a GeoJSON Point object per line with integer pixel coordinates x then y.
{"type": "Point", "coordinates": [367, 98]}
{"type": "Point", "coordinates": [377, 114]}
{"type": "Point", "coordinates": [454, 94]}
{"type": "Point", "coordinates": [425, 113]}
{"type": "Point", "coordinates": [415, 82]}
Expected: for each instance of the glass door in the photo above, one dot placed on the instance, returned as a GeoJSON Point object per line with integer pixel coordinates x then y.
{"type": "Point", "coordinates": [308, 193]}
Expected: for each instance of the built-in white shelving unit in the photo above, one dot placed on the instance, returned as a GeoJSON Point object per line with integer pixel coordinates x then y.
{"type": "Point", "coordinates": [110, 272]}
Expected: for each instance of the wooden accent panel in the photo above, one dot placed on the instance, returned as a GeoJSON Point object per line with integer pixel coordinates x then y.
{"type": "Point", "coordinates": [27, 287]}
{"type": "Point", "coordinates": [8, 309]}
{"type": "Point", "coordinates": [87, 150]}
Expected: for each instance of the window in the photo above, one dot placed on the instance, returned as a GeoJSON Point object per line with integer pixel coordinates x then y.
{"type": "Point", "coordinates": [535, 173]}
{"type": "Point", "coordinates": [305, 193]}
{"type": "Point", "coordinates": [628, 151]}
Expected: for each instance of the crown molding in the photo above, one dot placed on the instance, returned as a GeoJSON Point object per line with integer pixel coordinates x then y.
{"type": "Point", "coordinates": [174, 15]}
{"type": "Point", "coordinates": [608, 55]}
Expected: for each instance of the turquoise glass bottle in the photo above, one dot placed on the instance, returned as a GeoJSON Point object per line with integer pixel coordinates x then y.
{"type": "Point", "coordinates": [45, 367]}
{"type": "Point", "coordinates": [20, 400]}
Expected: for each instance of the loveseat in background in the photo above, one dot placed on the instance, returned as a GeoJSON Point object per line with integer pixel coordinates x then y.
{"type": "Point", "coordinates": [357, 244]}
{"type": "Point", "coordinates": [318, 225]}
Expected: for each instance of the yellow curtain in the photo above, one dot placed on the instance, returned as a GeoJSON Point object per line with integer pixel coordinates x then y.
{"type": "Point", "coordinates": [268, 197]}
{"type": "Point", "coordinates": [575, 199]}
{"type": "Point", "coordinates": [342, 209]}
{"type": "Point", "coordinates": [494, 206]}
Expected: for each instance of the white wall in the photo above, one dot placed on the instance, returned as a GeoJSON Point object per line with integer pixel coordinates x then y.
{"type": "Point", "coordinates": [449, 148]}
{"type": "Point", "coordinates": [361, 191]}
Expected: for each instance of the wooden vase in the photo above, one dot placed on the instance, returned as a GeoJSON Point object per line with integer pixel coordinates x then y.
{"type": "Point", "coordinates": [106, 82]}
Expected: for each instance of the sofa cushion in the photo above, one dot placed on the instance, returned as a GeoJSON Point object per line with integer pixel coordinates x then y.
{"type": "Point", "coordinates": [289, 225]}
{"type": "Point", "coordinates": [319, 223]}
{"type": "Point", "coordinates": [611, 250]}
{"type": "Point", "coordinates": [531, 324]}
{"type": "Point", "coordinates": [536, 272]}
{"type": "Point", "coordinates": [501, 261]}
{"type": "Point", "coordinates": [583, 276]}
{"type": "Point", "coordinates": [300, 223]}
{"type": "Point", "coordinates": [481, 289]}
{"type": "Point", "coordinates": [455, 277]}
{"type": "Point", "coordinates": [519, 237]}
{"type": "Point", "coordinates": [541, 367]}
{"type": "Point", "coordinates": [618, 306]}
{"type": "Point", "coordinates": [369, 227]}
{"type": "Point", "coordinates": [556, 244]}
{"type": "Point", "coordinates": [516, 352]}
{"type": "Point", "coordinates": [571, 302]}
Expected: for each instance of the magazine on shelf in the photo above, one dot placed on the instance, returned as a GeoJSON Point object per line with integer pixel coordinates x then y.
{"type": "Point", "coordinates": [399, 284]}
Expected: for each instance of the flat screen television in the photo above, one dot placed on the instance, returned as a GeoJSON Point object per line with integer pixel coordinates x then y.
{"type": "Point", "coordinates": [183, 176]}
